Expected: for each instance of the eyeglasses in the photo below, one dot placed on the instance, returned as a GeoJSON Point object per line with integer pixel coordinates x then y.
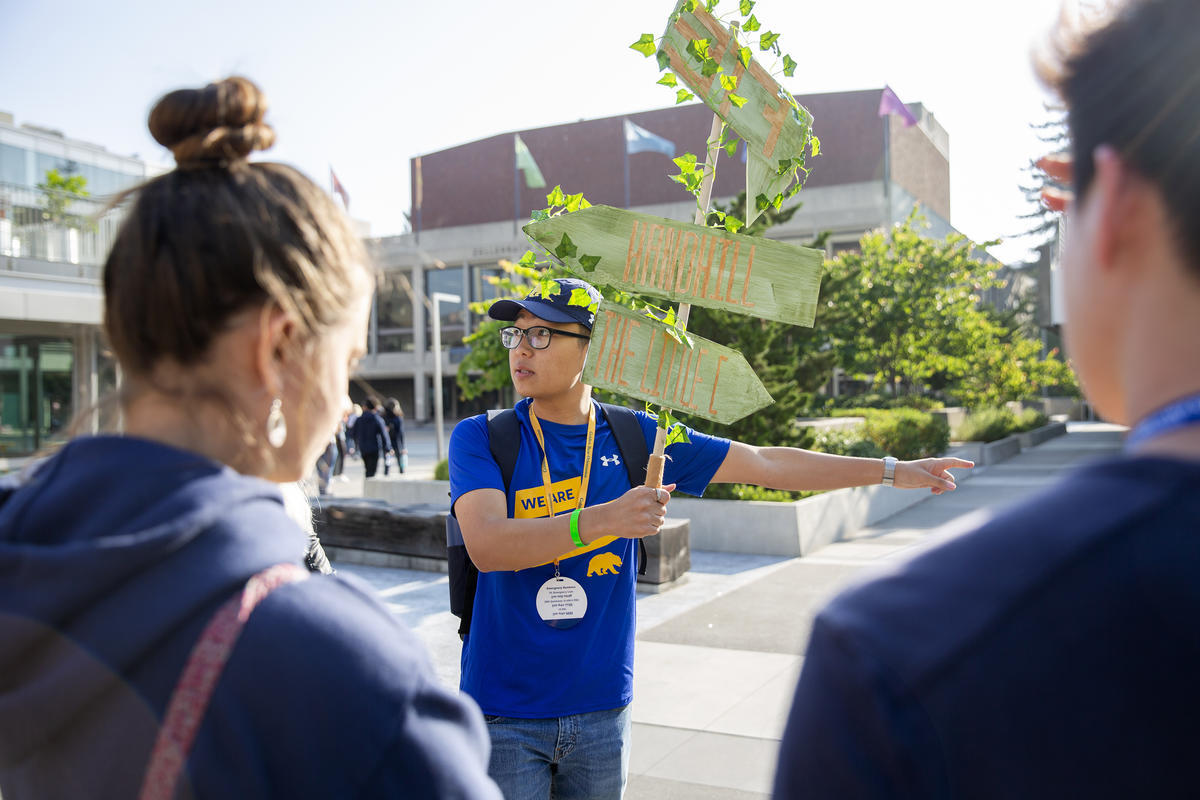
{"type": "Point", "coordinates": [538, 336]}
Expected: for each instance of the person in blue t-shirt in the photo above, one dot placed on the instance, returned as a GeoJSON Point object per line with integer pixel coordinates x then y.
{"type": "Point", "coordinates": [552, 630]}
{"type": "Point", "coordinates": [1051, 650]}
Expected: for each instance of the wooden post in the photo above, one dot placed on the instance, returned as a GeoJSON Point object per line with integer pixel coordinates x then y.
{"type": "Point", "coordinates": [658, 457]}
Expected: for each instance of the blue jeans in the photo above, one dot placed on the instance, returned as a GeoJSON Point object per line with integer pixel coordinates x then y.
{"type": "Point", "coordinates": [580, 757]}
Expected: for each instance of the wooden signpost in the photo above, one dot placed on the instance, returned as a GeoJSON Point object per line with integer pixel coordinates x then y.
{"type": "Point", "coordinates": [634, 355]}
{"type": "Point", "coordinates": [775, 127]}
{"type": "Point", "coordinates": [684, 263]}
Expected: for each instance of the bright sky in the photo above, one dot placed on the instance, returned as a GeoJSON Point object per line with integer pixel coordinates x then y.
{"type": "Point", "coordinates": [364, 86]}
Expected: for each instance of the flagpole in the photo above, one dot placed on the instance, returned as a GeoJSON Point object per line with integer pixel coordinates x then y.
{"type": "Point", "coordinates": [625, 149]}
{"type": "Point", "coordinates": [516, 189]}
{"type": "Point", "coordinates": [887, 167]}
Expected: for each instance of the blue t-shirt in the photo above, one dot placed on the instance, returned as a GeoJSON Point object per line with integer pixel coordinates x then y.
{"type": "Point", "coordinates": [513, 663]}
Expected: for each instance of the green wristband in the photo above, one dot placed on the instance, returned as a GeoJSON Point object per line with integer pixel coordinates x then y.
{"type": "Point", "coordinates": [575, 528]}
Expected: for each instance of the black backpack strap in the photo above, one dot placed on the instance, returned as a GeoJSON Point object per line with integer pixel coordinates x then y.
{"type": "Point", "coordinates": [504, 442]}
{"type": "Point", "coordinates": [631, 441]}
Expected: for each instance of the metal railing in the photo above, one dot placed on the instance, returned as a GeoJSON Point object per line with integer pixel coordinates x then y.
{"type": "Point", "coordinates": [37, 225]}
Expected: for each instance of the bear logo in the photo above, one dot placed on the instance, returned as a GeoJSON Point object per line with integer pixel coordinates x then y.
{"type": "Point", "coordinates": [604, 564]}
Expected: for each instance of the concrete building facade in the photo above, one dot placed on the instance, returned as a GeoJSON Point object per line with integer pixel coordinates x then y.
{"type": "Point", "coordinates": [469, 202]}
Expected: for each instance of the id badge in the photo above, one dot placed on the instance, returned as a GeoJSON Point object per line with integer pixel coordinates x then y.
{"type": "Point", "coordinates": [561, 602]}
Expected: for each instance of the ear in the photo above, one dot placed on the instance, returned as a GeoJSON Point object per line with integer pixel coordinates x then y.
{"type": "Point", "coordinates": [276, 332]}
{"type": "Point", "coordinates": [1118, 201]}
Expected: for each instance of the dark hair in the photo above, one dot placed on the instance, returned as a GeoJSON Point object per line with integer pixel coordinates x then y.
{"type": "Point", "coordinates": [1131, 80]}
{"type": "Point", "coordinates": [220, 234]}
{"type": "Point", "coordinates": [371, 403]}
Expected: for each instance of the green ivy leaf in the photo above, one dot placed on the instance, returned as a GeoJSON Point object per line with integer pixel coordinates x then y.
{"type": "Point", "coordinates": [668, 79]}
{"type": "Point", "coordinates": [737, 100]}
{"type": "Point", "coordinates": [744, 55]}
{"type": "Point", "coordinates": [815, 145]}
{"type": "Point", "coordinates": [566, 248]}
{"type": "Point", "coordinates": [583, 203]}
{"type": "Point", "coordinates": [789, 66]}
{"type": "Point", "coordinates": [698, 49]}
{"type": "Point", "coordinates": [761, 202]}
{"type": "Point", "coordinates": [548, 287]}
{"type": "Point", "coordinates": [528, 260]}
{"type": "Point", "coordinates": [664, 60]}
{"type": "Point", "coordinates": [728, 82]}
{"type": "Point", "coordinates": [731, 148]}
{"type": "Point", "coordinates": [709, 5]}
{"type": "Point", "coordinates": [556, 197]}
{"type": "Point", "coordinates": [540, 215]}
{"type": "Point", "coordinates": [686, 162]}
{"type": "Point", "coordinates": [573, 202]}
{"type": "Point", "coordinates": [682, 96]}
{"type": "Point", "coordinates": [588, 263]}
{"type": "Point", "coordinates": [751, 24]}
{"type": "Point", "coordinates": [644, 45]}
{"type": "Point", "coordinates": [676, 433]}
{"type": "Point", "coordinates": [778, 201]}
{"type": "Point", "coordinates": [710, 67]}
{"type": "Point", "coordinates": [733, 224]}
{"type": "Point", "coordinates": [767, 40]}
{"type": "Point", "coordinates": [746, 6]}
{"type": "Point", "coordinates": [580, 297]}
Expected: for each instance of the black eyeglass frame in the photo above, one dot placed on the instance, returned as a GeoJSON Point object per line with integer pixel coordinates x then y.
{"type": "Point", "coordinates": [524, 334]}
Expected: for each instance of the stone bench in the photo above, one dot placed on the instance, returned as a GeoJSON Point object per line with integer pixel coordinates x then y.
{"type": "Point", "coordinates": [378, 533]}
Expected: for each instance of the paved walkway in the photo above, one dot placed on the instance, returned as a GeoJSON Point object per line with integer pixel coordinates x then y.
{"type": "Point", "coordinates": [718, 656]}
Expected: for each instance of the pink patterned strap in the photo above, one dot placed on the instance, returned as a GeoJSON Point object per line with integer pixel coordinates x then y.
{"type": "Point", "coordinates": [189, 700]}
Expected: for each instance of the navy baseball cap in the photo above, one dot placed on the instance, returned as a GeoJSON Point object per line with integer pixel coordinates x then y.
{"type": "Point", "coordinates": [555, 308]}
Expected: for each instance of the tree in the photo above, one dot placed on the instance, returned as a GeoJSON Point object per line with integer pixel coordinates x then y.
{"type": "Point", "coordinates": [913, 321]}
{"type": "Point", "coordinates": [1042, 222]}
{"type": "Point", "coordinates": [58, 192]}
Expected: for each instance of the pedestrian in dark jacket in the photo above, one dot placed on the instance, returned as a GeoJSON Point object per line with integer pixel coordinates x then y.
{"type": "Point", "coordinates": [159, 634]}
{"type": "Point", "coordinates": [393, 415]}
{"type": "Point", "coordinates": [371, 436]}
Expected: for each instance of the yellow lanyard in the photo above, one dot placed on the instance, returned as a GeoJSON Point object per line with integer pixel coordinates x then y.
{"type": "Point", "coordinates": [587, 458]}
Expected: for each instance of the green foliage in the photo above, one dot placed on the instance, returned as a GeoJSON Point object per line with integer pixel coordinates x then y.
{"type": "Point", "coordinates": [1030, 419]}
{"type": "Point", "coordinates": [912, 321]}
{"type": "Point", "coordinates": [748, 491]}
{"type": "Point", "coordinates": [987, 425]}
{"type": "Point", "coordinates": [907, 433]}
{"type": "Point", "coordinates": [441, 470]}
{"type": "Point", "coordinates": [644, 45]}
{"type": "Point", "coordinates": [847, 443]}
{"type": "Point", "coordinates": [58, 191]}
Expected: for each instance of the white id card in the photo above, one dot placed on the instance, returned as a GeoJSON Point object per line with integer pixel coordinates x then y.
{"type": "Point", "coordinates": [561, 602]}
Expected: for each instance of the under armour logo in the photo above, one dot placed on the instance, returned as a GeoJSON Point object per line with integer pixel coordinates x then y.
{"type": "Point", "coordinates": [609, 461]}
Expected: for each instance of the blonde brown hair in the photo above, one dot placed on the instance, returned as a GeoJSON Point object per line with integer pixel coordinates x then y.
{"type": "Point", "coordinates": [220, 234]}
{"type": "Point", "coordinates": [1129, 73]}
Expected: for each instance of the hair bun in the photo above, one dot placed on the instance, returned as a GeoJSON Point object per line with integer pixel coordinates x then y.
{"type": "Point", "coordinates": [220, 123]}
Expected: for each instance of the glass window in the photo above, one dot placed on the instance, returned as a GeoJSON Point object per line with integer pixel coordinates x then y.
{"type": "Point", "coordinates": [454, 315]}
{"type": "Point", "coordinates": [12, 165]}
{"type": "Point", "coordinates": [394, 310]}
{"type": "Point", "coordinates": [36, 383]}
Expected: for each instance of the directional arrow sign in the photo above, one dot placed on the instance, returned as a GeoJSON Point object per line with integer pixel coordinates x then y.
{"type": "Point", "coordinates": [634, 355]}
{"type": "Point", "coordinates": [775, 127]}
{"type": "Point", "coordinates": [642, 254]}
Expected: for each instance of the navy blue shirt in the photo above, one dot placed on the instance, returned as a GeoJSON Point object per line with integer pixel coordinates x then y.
{"type": "Point", "coordinates": [114, 554]}
{"type": "Point", "coordinates": [1051, 652]}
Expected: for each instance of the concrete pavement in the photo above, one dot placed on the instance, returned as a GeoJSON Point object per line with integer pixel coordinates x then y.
{"type": "Point", "coordinates": [718, 656]}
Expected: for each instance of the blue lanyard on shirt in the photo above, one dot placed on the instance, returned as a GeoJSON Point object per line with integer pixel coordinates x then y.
{"type": "Point", "coordinates": [1180, 414]}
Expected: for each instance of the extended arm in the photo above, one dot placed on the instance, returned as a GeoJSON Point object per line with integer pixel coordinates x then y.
{"type": "Point", "coordinates": [496, 542]}
{"type": "Point", "coordinates": [794, 469]}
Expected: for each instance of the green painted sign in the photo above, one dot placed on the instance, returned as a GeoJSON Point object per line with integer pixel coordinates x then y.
{"type": "Point", "coordinates": [775, 127]}
{"type": "Point", "coordinates": [634, 355]}
{"type": "Point", "coordinates": [685, 263]}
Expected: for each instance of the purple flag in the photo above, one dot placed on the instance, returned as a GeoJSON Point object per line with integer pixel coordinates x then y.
{"type": "Point", "coordinates": [890, 104]}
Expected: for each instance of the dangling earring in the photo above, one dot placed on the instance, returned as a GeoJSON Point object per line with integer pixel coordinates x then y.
{"type": "Point", "coordinates": [276, 425]}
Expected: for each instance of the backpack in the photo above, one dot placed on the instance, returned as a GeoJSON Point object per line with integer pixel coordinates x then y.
{"type": "Point", "coordinates": [504, 441]}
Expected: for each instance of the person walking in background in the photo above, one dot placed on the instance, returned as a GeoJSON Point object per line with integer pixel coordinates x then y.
{"type": "Point", "coordinates": [393, 415]}
{"type": "Point", "coordinates": [1051, 650]}
{"type": "Point", "coordinates": [159, 633]}
{"type": "Point", "coordinates": [371, 436]}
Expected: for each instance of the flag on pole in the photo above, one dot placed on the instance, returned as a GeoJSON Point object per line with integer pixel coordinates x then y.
{"type": "Point", "coordinates": [418, 194]}
{"type": "Point", "coordinates": [525, 163]}
{"type": "Point", "coordinates": [640, 140]}
{"type": "Point", "coordinates": [889, 103]}
{"type": "Point", "coordinates": [338, 188]}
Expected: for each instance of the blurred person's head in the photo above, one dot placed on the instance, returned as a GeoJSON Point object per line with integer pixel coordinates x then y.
{"type": "Point", "coordinates": [393, 407]}
{"type": "Point", "coordinates": [1129, 75]}
{"type": "Point", "coordinates": [236, 293]}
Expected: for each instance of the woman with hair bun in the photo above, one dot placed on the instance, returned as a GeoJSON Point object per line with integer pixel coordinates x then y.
{"type": "Point", "coordinates": [159, 635]}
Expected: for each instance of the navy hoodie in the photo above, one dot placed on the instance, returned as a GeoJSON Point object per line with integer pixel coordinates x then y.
{"type": "Point", "coordinates": [114, 554]}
